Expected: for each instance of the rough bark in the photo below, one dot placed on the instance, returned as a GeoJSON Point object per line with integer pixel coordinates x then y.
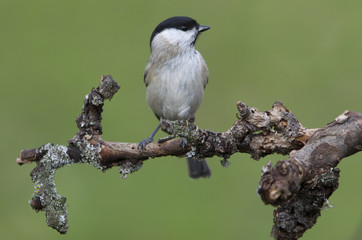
{"type": "Point", "coordinates": [302, 184]}
{"type": "Point", "coordinates": [299, 185]}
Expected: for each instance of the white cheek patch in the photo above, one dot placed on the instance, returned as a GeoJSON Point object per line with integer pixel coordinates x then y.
{"type": "Point", "coordinates": [175, 37]}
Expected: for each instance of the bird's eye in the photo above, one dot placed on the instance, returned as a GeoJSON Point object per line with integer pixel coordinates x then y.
{"type": "Point", "coordinates": [184, 28]}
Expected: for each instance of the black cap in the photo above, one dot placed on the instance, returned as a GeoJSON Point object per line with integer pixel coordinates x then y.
{"type": "Point", "coordinates": [182, 23]}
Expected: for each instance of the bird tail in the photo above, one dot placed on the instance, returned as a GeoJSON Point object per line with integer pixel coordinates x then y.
{"type": "Point", "coordinates": [198, 168]}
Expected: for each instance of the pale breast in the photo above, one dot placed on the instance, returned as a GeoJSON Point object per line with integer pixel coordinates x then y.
{"type": "Point", "coordinates": [175, 89]}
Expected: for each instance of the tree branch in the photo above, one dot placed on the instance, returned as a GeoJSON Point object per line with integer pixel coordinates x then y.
{"type": "Point", "coordinates": [254, 132]}
{"type": "Point", "coordinates": [302, 184]}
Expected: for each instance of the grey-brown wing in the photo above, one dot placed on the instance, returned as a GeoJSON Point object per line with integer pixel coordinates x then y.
{"type": "Point", "coordinates": [205, 74]}
{"type": "Point", "coordinates": [147, 75]}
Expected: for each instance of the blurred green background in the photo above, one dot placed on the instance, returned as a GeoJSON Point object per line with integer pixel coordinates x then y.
{"type": "Point", "coordinates": [307, 54]}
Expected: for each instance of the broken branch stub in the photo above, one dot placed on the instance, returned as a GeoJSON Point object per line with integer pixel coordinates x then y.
{"type": "Point", "coordinates": [302, 184]}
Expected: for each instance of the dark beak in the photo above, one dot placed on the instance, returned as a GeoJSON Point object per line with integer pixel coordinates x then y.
{"type": "Point", "coordinates": [203, 28]}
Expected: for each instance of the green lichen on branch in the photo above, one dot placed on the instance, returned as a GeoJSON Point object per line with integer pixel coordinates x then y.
{"type": "Point", "coordinates": [45, 197]}
{"type": "Point", "coordinates": [89, 153]}
{"type": "Point", "coordinates": [128, 167]}
{"type": "Point", "coordinates": [186, 130]}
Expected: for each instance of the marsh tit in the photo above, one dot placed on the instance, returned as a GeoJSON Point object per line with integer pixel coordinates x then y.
{"type": "Point", "coordinates": [175, 76]}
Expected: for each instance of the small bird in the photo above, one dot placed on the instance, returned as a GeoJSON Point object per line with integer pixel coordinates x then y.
{"type": "Point", "coordinates": [175, 76]}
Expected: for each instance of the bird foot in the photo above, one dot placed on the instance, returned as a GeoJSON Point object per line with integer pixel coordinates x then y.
{"type": "Point", "coordinates": [142, 145]}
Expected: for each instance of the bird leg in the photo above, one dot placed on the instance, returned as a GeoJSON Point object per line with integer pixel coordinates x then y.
{"type": "Point", "coordinates": [143, 143]}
